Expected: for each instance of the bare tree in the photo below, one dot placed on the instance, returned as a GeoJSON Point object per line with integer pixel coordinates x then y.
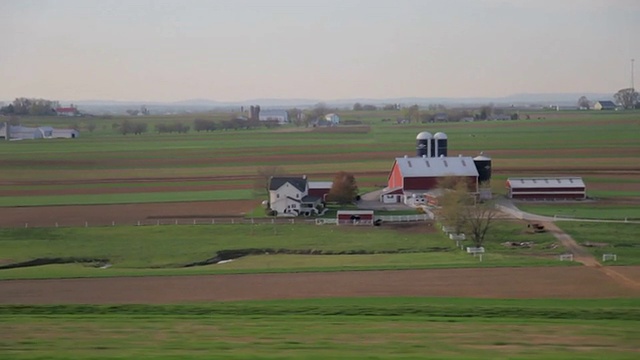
{"type": "Point", "coordinates": [627, 98]}
{"type": "Point", "coordinates": [479, 219]}
{"type": "Point", "coordinates": [263, 177]}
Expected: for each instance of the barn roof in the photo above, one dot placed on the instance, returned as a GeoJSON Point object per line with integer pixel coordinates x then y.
{"type": "Point", "coordinates": [299, 183]}
{"type": "Point", "coordinates": [320, 184]}
{"type": "Point", "coordinates": [436, 166]}
{"type": "Point", "coordinates": [545, 182]}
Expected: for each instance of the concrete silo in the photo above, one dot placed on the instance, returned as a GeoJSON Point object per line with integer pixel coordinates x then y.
{"type": "Point", "coordinates": [424, 144]}
{"type": "Point", "coordinates": [440, 142]}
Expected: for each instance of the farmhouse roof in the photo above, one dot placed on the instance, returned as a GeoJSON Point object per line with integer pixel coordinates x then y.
{"type": "Point", "coordinates": [299, 183]}
{"type": "Point", "coordinates": [437, 167]}
{"type": "Point", "coordinates": [546, 182]}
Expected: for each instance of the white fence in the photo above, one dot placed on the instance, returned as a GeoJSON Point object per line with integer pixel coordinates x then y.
{"type": "Point", "coordinates": [609, 257]}
{"type": "Point", "coordinates": [566, 257]}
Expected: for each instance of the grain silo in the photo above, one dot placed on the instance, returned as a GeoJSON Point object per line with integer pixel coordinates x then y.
{"type": "Point", "coordinates": [424, 144]}
{"type": "Point", "coordinates": [440, 143]}
{"type": "Point", "coordinates": [483, 164]}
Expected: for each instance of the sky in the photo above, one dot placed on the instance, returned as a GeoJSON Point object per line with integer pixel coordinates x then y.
{"type": "Point", "coordinates": [234, 50]}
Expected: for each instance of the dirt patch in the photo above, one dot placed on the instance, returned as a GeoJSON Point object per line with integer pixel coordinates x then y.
{"type": "Point", "coordinates": [121, 214]}
{"type": "Point", "coordinates": [541, 282]}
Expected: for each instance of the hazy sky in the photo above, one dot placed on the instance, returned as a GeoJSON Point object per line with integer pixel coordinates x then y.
{"type": "Point", "coordinates": [320, 49]}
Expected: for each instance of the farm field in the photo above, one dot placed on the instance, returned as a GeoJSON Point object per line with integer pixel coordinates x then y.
{"type": "Point", "coordinates": [103, 167]}
{"type": "Point", "coordinates": [301, 290]}
{"type": "Point", "coordinates": [447, 328]}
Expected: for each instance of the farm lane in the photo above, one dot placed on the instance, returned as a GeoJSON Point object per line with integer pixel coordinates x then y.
{"type": "Point", "coordinates": [539, 282]}
{"type": "Point", "coordinates": [580, 254]}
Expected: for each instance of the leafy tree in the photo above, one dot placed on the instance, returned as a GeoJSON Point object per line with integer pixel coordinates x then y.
{"type": "Point", "coordinates": [344, 189]}
{"type": "Point", "coordinates": [357, 107]}
{"type": "Point", "coordinates": [204, 125]}
{"type": "Point", "coordinates": [627, 98]}
{"type": "Point", "coordinates": [583, 102]}
{"type": "Point", "coordinates": [454, 199]}
{"type": "Point", "coordinates": [412, 113]}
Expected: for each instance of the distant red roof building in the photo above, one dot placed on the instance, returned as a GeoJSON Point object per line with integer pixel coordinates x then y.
{"type": "Point", "coordinates": [67, 111]}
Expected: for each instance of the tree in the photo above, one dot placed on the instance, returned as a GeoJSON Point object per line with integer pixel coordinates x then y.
{"type": "Point", "coordinates": [583, 102]}
{"type": "Point", "coordinates": [459, 210]}
{"type": "Point", "coordinates": [479, 219]}
{"type": "Point", "coordinates": [344, 189]}
{"type": "Point", "coordinates": [263, 177]}
{"type": "Point", "coordinates": [357, 107]}
{"type": "Point", "coordinates": [452, 203]}
{"type": "Point", "coordinates": [412, 113]}
{"type": "Point", "coordinates": [627, 98]}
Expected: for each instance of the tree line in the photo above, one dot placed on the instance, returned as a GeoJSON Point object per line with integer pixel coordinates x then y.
{"type": "Point", "coordinates": [30, 106]}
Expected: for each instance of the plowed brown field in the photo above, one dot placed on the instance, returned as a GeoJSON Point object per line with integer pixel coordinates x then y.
{"type": "Point", "coordinates": [549, 282]}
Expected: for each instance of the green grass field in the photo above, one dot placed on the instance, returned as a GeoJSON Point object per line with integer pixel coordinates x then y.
{"type": "Point", "coordinates": [164, 250]}
{"type": "Point", "coordinates": [607, 238]}
{"type": "Point", "coordinates": [379, 328]}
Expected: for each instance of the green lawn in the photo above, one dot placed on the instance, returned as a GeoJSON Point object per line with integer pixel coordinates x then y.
{"type": "Point", "coordinates": [361, 328]}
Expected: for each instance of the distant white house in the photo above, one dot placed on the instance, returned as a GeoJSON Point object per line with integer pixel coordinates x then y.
{"type": "Point", "coordinates": [10, 132]}
{"type": "Point", "coordinates": [604, 105]}
{"type": "Point", "coordinates": [281, 116]}
{"type": "Point", "coordinates": [334, 119]}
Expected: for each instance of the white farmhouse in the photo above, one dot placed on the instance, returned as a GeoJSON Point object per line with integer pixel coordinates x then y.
{"type": "Point", "coordinates": [289, 196]}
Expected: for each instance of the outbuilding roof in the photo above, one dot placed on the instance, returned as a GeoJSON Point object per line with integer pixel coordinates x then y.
{"type": "Point", "coordinates": [320, 184]}
{"type": "Point", "coordinates": [299, 183]}
{"type": "Point", "coordinates": [546, 182]}
{"type": "Point", "coordinates": [606, 103]}
{"type": "Point", "coordinates": [437, 166]}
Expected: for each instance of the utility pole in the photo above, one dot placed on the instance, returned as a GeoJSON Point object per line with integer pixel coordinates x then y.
{"type": "Point", "coordinates": [633, 88]}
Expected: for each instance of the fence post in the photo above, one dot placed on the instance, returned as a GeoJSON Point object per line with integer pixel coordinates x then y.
{"type": "Point", "coordinates": [56, 224]}
{"type": "Point", "coordinates": [26, 225]}
{"type": "Point", "coordinates": [176, 221]}
{"type": "Point", "coordinates": [86, 224]}
{"type": "Point", "coordinates": [113, 223]}
{"type": "Point", "coordinates": [158, 223]}
{"type": "Point", "coordinates": [138, 222]}
{"type": "Point", "coordinates": [194, 221]}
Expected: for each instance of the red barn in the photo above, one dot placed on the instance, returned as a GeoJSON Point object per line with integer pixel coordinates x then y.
{"type": "Point", "coordinates": [547, 188]}
{"type": "Point", "coordinates": [413, 177]}
{"type": "Point", "coordinates": [320, 189]}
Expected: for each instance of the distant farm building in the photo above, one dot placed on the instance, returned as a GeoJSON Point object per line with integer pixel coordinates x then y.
{"type": "Point", "coordinates": [546, 188]}
{"type": "Point", "coordinates": [67, 111]}
{"type": "Point", "coordinates": [279, 116]}
{"type": "Point", "coordinates": [10, 132]}
{"type": "Point", "coordinates": [333, 119]}
{"type": "Point", "coordinates": [604, 105]}
{"type": "Point", "coordinates": [293, 196]}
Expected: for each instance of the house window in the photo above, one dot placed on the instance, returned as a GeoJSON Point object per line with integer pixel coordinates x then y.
{"type": "Point", "coordinates": [297, 196]}
{"type": "Point", "coordinates": [278, 196]}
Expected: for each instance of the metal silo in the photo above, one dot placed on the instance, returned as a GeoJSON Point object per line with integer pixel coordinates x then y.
{"type": "Point", "coordinates": [483, 164]}
{"type": "Point", "coordinates": [440, 142]}
{"type": "Point", "coordinates": [424, 144]}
